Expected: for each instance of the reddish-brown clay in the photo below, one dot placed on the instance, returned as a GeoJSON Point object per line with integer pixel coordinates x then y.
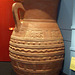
{"type": "Point", "coordinates": [36, 44]}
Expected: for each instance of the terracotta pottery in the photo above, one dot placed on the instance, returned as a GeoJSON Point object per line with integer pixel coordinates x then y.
{"type": "Point", "coordinates": [36, 44]}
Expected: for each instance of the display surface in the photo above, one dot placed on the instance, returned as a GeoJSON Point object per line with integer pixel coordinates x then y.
{"type": "Point", "coordinates": [36, 44]}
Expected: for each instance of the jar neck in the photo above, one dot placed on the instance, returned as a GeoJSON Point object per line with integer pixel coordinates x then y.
{"type": "Point", "coordinates": [41, 9]}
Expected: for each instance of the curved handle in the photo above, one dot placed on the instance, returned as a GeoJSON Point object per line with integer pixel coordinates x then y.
{"type": "Point", "coordinates": [15, 8]}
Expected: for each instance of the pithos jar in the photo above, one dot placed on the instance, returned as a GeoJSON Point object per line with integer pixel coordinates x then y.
{"type": "Point", "coordinates": [36, 44]}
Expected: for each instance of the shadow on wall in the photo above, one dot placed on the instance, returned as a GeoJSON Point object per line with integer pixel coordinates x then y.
{"type": "Point", "coordinates": [65, 14]}
{"type": "Point", "coordinates": [65, 23]}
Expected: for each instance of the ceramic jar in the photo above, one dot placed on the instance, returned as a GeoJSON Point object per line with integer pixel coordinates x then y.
{"type": "Point", "coordinates": [36, 44]}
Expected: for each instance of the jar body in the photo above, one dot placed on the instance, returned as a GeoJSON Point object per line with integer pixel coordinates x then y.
{"type": "Point", "coordinates": [36, 44]}
{"type": "Point", "coordinates": [37, 48]}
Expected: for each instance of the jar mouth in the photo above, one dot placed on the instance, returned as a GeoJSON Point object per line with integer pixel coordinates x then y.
{"type": "Point", "coordinates": [38, 20]}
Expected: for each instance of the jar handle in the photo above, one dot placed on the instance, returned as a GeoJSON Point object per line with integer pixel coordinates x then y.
{"type": "Point", "coordinates": [15, 8]}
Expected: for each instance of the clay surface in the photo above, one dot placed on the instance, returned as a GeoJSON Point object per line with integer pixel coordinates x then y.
{"type": "Point", "coordinates": [36, 44]}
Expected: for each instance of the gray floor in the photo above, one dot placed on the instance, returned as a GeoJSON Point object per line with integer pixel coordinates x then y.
{"type": "Point", "coordinates": [6, 69]}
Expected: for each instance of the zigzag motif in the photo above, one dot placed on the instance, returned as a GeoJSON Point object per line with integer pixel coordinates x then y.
{"type": "Point", "coordinates": [35, 50]}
